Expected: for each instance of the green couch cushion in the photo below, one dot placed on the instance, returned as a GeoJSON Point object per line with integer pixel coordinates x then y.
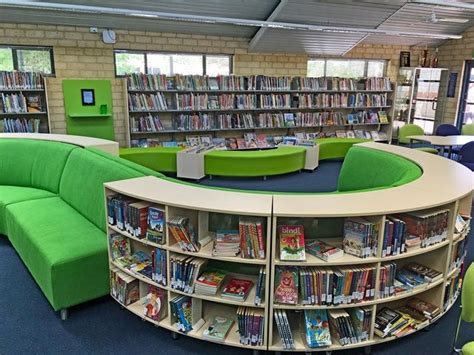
{"type": "Point", "coordinates": [366, 168]}
{"type": "Point", "coordinates": [157, 158]}
{"type": "Point", "coordinates": [33, 163]}
{"type": "Point", "coordinates": [65, 253]}
{"type": "Point", "coordinates": [82, 183]}
{"type": "Point", "coordinates": [281, 160]}
{"type": "Point", "coordinates": [336, 148]}
{"type": "Point", "coordinates": [15, 194]}
{"type": "Point", "coordinates": [129, 164]}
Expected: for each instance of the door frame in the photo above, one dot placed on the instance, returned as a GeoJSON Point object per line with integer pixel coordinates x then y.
{"type": "Point", "coordinates": [468, 65]}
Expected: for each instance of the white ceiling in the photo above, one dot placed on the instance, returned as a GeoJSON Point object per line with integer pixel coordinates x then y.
{"type": "Point", "coordinates": [276, 26]}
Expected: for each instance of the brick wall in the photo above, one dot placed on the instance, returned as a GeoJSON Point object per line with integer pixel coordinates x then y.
{"type": "Point", "coordinates": [79, 54]}
{"type": "Point", "coordinates": [452, 55]}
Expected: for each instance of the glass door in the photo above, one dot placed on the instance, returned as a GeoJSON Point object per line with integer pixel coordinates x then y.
{"type": "Point", "coordinates": [466, 104]}
{"type": "Point", "coordinates": [426, 97]}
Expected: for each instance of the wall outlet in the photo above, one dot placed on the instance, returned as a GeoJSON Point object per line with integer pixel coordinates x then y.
{"type": "Point", "coordinates": [93, 30]}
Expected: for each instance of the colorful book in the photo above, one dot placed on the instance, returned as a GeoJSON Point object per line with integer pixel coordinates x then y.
{"type": "Point", "coordinates": [323, 250]}
{"type": "Point", "coordinates": [154, 304]}
{"type": "Point", "coordinates": [286, 285]}
{"type": "Point", "coordinates": [119, 246]}
{"type": "Point", "coordinates": [156, 225]}
{"type": "Point", "coordinates": [292, 245]}
{"type": "Point", "coordinates": [317, 328]}
{"type": "Point", "coordinates": [237, 289]}
{"type": "Point", "coordinates": [218, 328]}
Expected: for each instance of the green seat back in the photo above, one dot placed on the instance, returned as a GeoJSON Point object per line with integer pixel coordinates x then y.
{"type": "Point", "coordinates": [409, 130]}
{"type": "Point", "coordinates": [468, 129]}
{"type": "Point", "coordinates": [467, 295]}
{"type": "Point", "coordinates": [82, 182]}
{"type": "Point", "coordinates": [33, 163]}
{"type": "Point", "coordinates": [157, 158]}
{"type": "Point", "coordinates": [139, 168]}
{"type": "Point", "coordinates": [336, 148]}
{"type": "Point", "coordinates": [366, 168]}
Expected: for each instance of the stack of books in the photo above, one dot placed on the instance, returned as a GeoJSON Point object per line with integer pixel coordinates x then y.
{"type": "Point", "coordinates": [351, 326]}
{"type": "Point", "coordinates": [426, 228]}
{"type": "Point", "coordinates": [394, 242]}
{"type": "Point", "coordinates": [251, 326]}
{"type": "Point", "coordinates": [252, 238]}
{"type": "Point", "coordinates": [218, 329]}
{"type": "Point", "coordinates": [138, 262]}
{"type": "Point", "coordinates": [159, 266]}
{"type": "Point", "coordinates": [429, 310]}
{"type": "Point", "coordinates": [237, 289]}
{"type": "Point", "coordinates": [209, 282]}
{"type": "Point", "coordinates": [181, 313]}
{"type": "Point", "coordinates": [227, 243]}
{"type": "Point", "coordinates": [181, 229]}
{"type": "Point", "coordinates": [155, 303]}
{"type": "Point", "coordinates": [458, 254]}
{"type": "Point", "coordinates": [123, 287]}
{"type": "Point", "coordinates": [400, 321]}
{"type": "Point", "coordinates": [323, 250]}
{"type": "Point", "coordinates": [184, 271]}
{"type": "Point", "coordinates": [21, 80]}
{"type": "Point", "coordinates": [360, 237]}
{"type": "Point", "coordinates": [284, 329]}
{"type": "Point", "coordinates": [260, 289]}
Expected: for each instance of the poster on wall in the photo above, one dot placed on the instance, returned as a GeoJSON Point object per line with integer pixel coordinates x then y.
{"type": "Point", "coordinates": [453, 78]}
{"type": "Point", "coordinates": [404, 59]}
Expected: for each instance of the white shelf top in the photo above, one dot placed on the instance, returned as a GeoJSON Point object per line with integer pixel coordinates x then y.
{"type": "Point", "coordinates": [444, 141]}
{"type": "Point", "coordinates": [90, 142]}
{"type": "Point", "coordinates": [443, 181]}
{"type": "Point", "coordinates": [194, 197]}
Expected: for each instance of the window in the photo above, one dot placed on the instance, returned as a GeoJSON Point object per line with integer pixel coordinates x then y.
{"type": "Point", "coordinates": [348, 68]}
{"type": "Point", "coordinates": [35, 59]}
{"type": "Point", "coordinates": [171, 63]}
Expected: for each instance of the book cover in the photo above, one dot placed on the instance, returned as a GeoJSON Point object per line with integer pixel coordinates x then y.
{"type": "Point", "coordinates": [119, 246]}
{"type": "Point", "coordinates": [237, 288]}
{"type": "Point", "coordinates": [211, 278]}
{"type": "Point", "coordinates": [317, 328]}
{"type": "Point", "coordinates": [323, 250]}
{"type": "Point", "coordinates": [154, 304]}
{"type": "Point", "coordinates": [218, 328]}
{"type": "Point", "coordinates": [355, 235]}
{"type": "Point", "coordinates": [33, 103]}
{"type": "Point", "coordinates": [286, 285]}
{"type": "Point", "coordinates": [156, 225]}
{"type": "Point", "coordinates": [292, 245]}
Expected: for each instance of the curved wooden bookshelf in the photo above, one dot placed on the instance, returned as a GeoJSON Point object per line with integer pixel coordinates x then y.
{"type": "Point", "coordinates": [199, 203]}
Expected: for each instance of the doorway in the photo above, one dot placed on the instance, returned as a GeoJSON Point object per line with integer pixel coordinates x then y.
{"type": "Point", "coordinates": [466, 104]}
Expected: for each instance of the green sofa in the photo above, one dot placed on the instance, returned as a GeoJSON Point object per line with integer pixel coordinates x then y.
{"type": "Point", "coordinates": [52, 210]}
{"type": "Point", "coordinates": [161, 159]}
{"type": "Point", "coordinates": [336, 148]}
{"type": "Point", "coordinates": [277, 161]}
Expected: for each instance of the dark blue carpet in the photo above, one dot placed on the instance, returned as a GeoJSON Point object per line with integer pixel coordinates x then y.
{"type": "Point", "coordinates": [29, 325]}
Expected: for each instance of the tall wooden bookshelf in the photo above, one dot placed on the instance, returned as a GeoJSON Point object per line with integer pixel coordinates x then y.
{"type": "Point", "coordinates": [23, 103]}
{"type": "Point", "coordinates": [329, 116]}
{"type": "Point", "coordinates": [312, 211]}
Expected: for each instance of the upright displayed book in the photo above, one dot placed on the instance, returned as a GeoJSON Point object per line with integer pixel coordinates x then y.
{"type": "Point", "coordinates": [286, 285]}
{"type": "Point", "coordinates": [155, 305]}
{"type": "Point", "coordinates": [218, 328]}
{"type": "Point", "coordinates": [292, 247]}
{"type": "Point", "coordinates": [317, 328]}
{"type": "Point", "coordinates": [360, 237]}
{"type": "Point", "coordinates": [155, 231]}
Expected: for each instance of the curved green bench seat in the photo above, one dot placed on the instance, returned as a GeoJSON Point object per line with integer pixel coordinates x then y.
{"type": "Point", "coordinates": [52, 210]}
{"type": "Point", "coordinates": [336, 148]}
{"type": "Point", "coordinates": [161, 159]}
{"type": "Point", "coordinates": [281, 160]}
{"type": "Point", "coordinates": [365, 168]}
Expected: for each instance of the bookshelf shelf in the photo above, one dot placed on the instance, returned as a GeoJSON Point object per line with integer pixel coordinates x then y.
{"type": "Point", "coordinates": [199, 203]}
{"type": "Point", "coordinates": [139, 276]}
{"type": "Point", "coordinates": [24, 92]}
{"type": "Point", "coordinates": [145, 107]}
{"type": "Point", "coordinates": [143, 241]}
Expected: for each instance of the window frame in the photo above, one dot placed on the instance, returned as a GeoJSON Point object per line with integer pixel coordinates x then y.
{"type": "Point", "coordinates": [145, 53]}
{"type": "Point", "coordinates": [15, 48]}
{"type": "Point", "coordinates": [366, 64]}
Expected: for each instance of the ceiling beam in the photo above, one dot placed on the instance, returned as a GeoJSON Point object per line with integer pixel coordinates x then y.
{"type": "Point", "coordinates": [446, 3]}
{"type": "Point", "coordinates": [261, 31]}
{"type": "Point", "coordinates": [210, 19]}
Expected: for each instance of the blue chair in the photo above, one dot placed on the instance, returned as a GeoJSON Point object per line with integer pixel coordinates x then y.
{"type": "Point", "coordinates": [447, 130]}
{"type": "Point", "coordinates": [466, 154]}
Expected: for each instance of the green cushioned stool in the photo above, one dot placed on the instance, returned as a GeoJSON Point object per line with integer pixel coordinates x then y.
{"type": "Point", "coordinates": [413, 130]}
{"type": "Point", "coordinates": [162, 159]}
{"type": "Point", "coordinates": [336, 148]}
{"type": "Point", "coordinates": [468, 129]}
{"type": "Point", "coordinates": [467, 309]}
{"type": "Point", "coordinates": [281, 160]}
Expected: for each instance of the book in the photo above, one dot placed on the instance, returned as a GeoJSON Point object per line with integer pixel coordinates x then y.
{"type": "Point", "coordinates": [184, 270]}
{"type": "Point", "coordinates": [156, 225]}
{"type": "Point", "coordinates": [252, 238]}
{"type": "Point", "coordinates": [155, 304]}
{"type": "Point", "coordinates": [292, 245]}
{"type": "Point", "coordinates": [182, 313]}
{"type": "Point", "coordinates": [251, 326]}
{"type": "Point", "coordinates": [284, 329]}
{"type": "Point", "coordinates": [123, 287]}
{"type": "Point", "coordinates": [323, 250]}
{"type": "Point", "coordinates": [317, 328]}
{"type": "Point", "coordinates": [33, 103]}
{"type": "Point", "coordinates": [209, 282]}
{"type": "Point", "coordinates": [429, 274]}
{"type": "Point", "coordinates": [286, 285]}
{"type": "Point", "coordinates": [227, 243]}
{"type": "Point", "coordinates": [360, 237]}
{"type": "Point", "coordinates": [119, 246]}
{"type": "Point", "coordinates": [237, 289]}
{"type": "Point", "coordinates": [429, 310]}
{"type": "Point", "coordinates": [260, 288]}
{"type": "Point", "coordinates": [218, 328]}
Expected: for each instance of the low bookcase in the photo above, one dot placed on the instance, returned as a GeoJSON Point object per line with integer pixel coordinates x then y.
{"type": "Point", "coordinates": [206, 218]}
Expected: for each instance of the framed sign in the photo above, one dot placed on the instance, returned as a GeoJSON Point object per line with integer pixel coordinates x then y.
{"type": "Point", "coordinates": [451, 91]}
{"type": "Point", "coordinates": [404, 59]}
{"type": "Point", "coordinates": [87, 97]}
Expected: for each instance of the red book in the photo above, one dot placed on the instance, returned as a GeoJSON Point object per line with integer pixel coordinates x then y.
{"type": "Point", "coordinates": [237, 288]}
